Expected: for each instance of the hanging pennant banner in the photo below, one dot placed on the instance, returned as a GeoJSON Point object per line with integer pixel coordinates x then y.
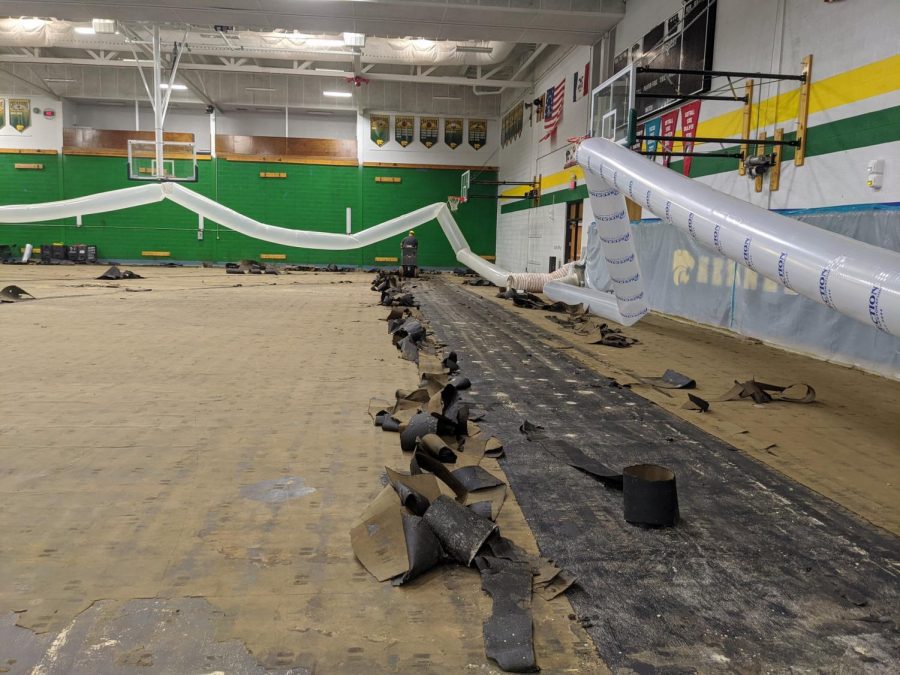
{"type": "Point", "coordinates": [404, 130]}
{"type": "Point", "coordinates": [690, 113]}
{"type": "Point", "coordinates": [513, 122]}
{"type": "Point", "coordinates": [669, 124]}
{"type": "Point", "coordinates": [380, 129]}
{"type": "Point", "coordinates": [20, 113]}
{"type": "Point", "coordinates": [651, 128]}
{"type": "Point", "coordinates": [453, 132]}
{"type": "Point", "coordinates": [428, 131]}
{"type": "Point", "coordinates": [477, 133]}
{"type": "Point", "coordinates": [2, 113]}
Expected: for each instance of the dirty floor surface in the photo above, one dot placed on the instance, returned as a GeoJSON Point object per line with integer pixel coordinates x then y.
{"type": "Point", "coordinates": [761, 575]}
{"type": "Point", "coordinates": [179, 471]}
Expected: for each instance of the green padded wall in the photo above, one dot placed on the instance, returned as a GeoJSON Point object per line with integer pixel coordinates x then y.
{"type": "Point", "coordinates": [312, 197]}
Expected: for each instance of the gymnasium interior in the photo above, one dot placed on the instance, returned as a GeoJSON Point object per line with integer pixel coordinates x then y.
{"type": "Point", "coordinates": [449, 336]}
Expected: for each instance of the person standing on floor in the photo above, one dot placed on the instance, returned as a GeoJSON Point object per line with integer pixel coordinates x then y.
{"type": "Point", "coordinates": [409, 250]}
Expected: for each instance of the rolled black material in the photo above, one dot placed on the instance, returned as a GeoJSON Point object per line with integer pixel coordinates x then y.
{"type": "Point", "coordinates": [420, 425]}
{"type": "Point", "coordinates": [650, 495]}
{"type": "Point", "coordinates": [422, 548]}
{"type": "Point", "coordinates": [460, 530]}
{"type": "Point", "coordinates": [461, 382]}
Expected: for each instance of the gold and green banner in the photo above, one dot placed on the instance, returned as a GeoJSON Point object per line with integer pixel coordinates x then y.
{"type": "Point", "coordinates": [2, 113]}
{"type": "Point", "coordinates": [428, 131]}
{"type": "Point", "coordinates": [20, 113]}
{"type": "Point", "coordinates": [477, 133]}
{"type": "Point", "coordinates": [404, 129]}
{"type": "Point", "coordinates": [380, 129]}
{"type": "Point", "coordinates": [453, 132]}
{"type": "Point", "coordinates": [513, 122]}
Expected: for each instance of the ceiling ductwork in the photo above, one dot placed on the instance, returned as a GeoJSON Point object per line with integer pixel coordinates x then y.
{"type": "Point", "coordinates": [247, 44]}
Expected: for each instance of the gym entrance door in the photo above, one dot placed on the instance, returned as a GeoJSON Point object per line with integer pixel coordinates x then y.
{"type": "Point", "coordinates": [574, 212]}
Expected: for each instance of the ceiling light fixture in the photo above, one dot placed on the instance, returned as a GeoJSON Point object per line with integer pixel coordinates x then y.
{"type": "Point", "coordinates": [422, 43]}
{"type": "Point", "coordinates": [337, 94]}
{"type": "Point", "coordinates": [103, 26]}
{"type": "Point", "coordinates": [322, 113]}
{"type": "Point", "coordinates": [258, 89]}
{"type": "Point", "coordinates": [84, 30]}
{"type": "Point", "coordinates": [175, 87]}
{"type": "Point", "coordinates": [31, 24]}
{"type": "Point", "coordinates": [325, 42]}
{"type": "Point", "coordinates": [58, 79]}
{"type": "Point", "coordinates": [330, 70]}
{"type": "Point", "coordinates": [474, 49]}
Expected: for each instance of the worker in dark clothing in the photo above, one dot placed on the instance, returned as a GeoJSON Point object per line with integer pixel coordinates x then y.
{"type": "Point", "coordinates": [409, 250]}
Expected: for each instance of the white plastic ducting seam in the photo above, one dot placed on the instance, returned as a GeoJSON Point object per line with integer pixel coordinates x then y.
{"type": "Point", "coordinates": [212, 210]}
{"type": "Point", "coordinates": [854, 278]}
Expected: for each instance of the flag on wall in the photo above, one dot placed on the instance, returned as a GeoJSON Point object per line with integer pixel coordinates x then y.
{"type": "Point", "coordinates": [690, 113]}
{"type": "Point", "coordinates": [553, 108]}
{"type": "Point", "coordinates": [669, 123]}
{"type": "Point", "coordinates": [581, 82]}
{"type": "Point", "coordinates": [651, 128]}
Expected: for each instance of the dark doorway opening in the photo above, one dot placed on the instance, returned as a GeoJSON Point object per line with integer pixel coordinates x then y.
{"type": "Point", "coordinates": [574, 213]}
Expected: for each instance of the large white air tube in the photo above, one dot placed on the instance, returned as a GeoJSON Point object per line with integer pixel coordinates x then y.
{"type": "Point", "coordinates": [857, 279]}
{"type": "Point", "coordinates": [212, 210]}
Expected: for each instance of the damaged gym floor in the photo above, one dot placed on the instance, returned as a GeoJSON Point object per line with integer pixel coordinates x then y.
{"type": "Point", "coordinates": [181, 467]}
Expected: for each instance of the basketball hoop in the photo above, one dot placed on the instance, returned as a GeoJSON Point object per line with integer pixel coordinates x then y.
{"type": "Point", "coordinates": [454, 202]}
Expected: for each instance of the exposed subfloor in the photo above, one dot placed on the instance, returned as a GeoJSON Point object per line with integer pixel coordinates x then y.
{"type": "Point", "coordinates": [180, 469]}
{"type": "Point", "coordinates": [762, 574]}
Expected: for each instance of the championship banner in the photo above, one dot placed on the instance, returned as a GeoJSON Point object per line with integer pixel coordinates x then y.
{"type": "Point", "coordinates": [581, 82]}
{"type": "Point", "coordinates": [669, 123]}
{"type": "Point", "coordinates": [453, 132]}
{"type": "Point", "coordinates": [20, 113]}
{"type": "Point", "coordinates": [477, 133]}
{"type": "Point", "coordinates": [404, 130]}
{"type": "Point", "coordinates": [428, 131]}
{"type": "Point", "coordinates": [690, 113]}
{"type": "Point", "coordinates": [380, 129]}
{"type": "Point", "coordinates": [2, 113]}
{"type": "Point", "coordinates": [651, 128]}
{"type": "Point", "coordinates": [513, 123]}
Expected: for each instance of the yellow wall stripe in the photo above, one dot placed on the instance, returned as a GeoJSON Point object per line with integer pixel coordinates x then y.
{"type": "Point", "coordinates": [873, 79]}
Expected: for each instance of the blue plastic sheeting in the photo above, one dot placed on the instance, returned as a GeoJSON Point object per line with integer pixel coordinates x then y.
{"type": "Point", "coordinates": [686, 280]}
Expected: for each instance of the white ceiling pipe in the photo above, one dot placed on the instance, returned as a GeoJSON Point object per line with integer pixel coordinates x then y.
{"type": "Point", "coordinates": [257, 45]}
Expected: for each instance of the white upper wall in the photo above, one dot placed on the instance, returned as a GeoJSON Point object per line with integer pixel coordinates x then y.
{"type": "Point", "coordinates": [43, 134]}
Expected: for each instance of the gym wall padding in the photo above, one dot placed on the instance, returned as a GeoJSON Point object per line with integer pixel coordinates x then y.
{"type": "Point", "coordinates": [312, 197]}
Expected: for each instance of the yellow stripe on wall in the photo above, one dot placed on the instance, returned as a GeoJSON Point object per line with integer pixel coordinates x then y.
{"type": "Point", "coordinates": [857, 84]}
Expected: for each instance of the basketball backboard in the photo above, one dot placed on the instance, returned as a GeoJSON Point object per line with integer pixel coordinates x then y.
{"type": "Point", "coordinates": [612, 103]}
{"type": "Point", "coordinates": [179, 161]}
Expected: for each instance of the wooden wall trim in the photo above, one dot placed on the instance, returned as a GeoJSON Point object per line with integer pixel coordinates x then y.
{"type": "Point", "coordinates": [279, 146]}
{"type": "Point", "coordinates": [23, 151]}
{"type": "Point", "coordinates": [283, 159]}
{"type": "Point", "coordinates": [449, 167]}
{"type": "Point", "coordinates": [108, 152]}
{"type": "Point", "coordinates": [87, 138]}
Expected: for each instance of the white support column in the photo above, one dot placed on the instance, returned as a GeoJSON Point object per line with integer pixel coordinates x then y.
{"type": "Point", "coordinates": [212, 134]}
{"type": "Point", "coordinates": [157, 104]}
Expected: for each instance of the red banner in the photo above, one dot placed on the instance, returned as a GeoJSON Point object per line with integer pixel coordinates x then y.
{"type": "Point", "coordinates": [669, 123]}
{"type": "Point", "coordinates": [690, 113]}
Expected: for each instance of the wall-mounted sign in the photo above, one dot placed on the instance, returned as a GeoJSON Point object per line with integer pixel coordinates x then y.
{"type": "Point", "coordinates": [380, 129]}
{"type": "Point", "coordinates": [49, 113]}
{"type": "Point", "coordinates": [404, 129]}
{"type": "Point", "coordinates": [477, 133]}
{"type": "Point", "coordinates": [453, 132]}
{"type": "Point", "coordinates": [428, 131]}
{"type": "Point", "coordinates": [20, 113]}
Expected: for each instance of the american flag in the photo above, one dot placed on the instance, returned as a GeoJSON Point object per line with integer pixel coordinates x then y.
{"type": "Point", "coordinates": [553, 108]}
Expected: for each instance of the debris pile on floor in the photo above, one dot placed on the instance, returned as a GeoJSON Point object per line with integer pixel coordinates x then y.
{"type": "Point", "coordinates": [251, 267]}
{"type": "Point", "coordinates": [760, 392]}
{"type": "Point", "coordinates": [15, 294]}
{"type": "Point", "coordinates": [444, 509]}
{"type": "Point", "coordinates": [114, 274]}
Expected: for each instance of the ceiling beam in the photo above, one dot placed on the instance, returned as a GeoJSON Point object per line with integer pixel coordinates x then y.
{"type": "Point", "coordinates": [391, 77]}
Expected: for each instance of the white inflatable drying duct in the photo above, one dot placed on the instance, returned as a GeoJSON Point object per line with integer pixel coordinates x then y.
{"type": "Point", "coordinates": [857, 279]}
{"type": "Point", "coordinates": [212, 210]}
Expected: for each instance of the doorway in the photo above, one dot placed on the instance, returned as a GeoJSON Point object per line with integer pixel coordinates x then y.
{"type": "Point", "coordinates": [574, 213]}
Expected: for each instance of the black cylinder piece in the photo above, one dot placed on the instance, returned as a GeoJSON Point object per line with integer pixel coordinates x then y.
{"type": "Point", "coordinates": [650, 495]}
{"type": "Point", "coordinates": [419, 426]}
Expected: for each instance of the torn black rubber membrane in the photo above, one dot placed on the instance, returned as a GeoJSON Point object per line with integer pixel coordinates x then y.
{"type": "Point", "coordinates": [419, 426]}
{"type": "Point", "coordinates": [650, 494]}
{"type": "Point", "coordinates": [15, 294]}
{"type": "Point", "coordinates": [509, 631]}
{"type": "Point", "coordinates": [460, 531]}
{"type": "Point", "coordinates": [476, 478]}
{"type": "Point", "coordinates": [671, 379]}
{"type": "Point", "coordinates": [421, 462]}
{"type": "Point", "coordinates": [114, 273]}
{"type": "Point", "coordinates": [422, 547]}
